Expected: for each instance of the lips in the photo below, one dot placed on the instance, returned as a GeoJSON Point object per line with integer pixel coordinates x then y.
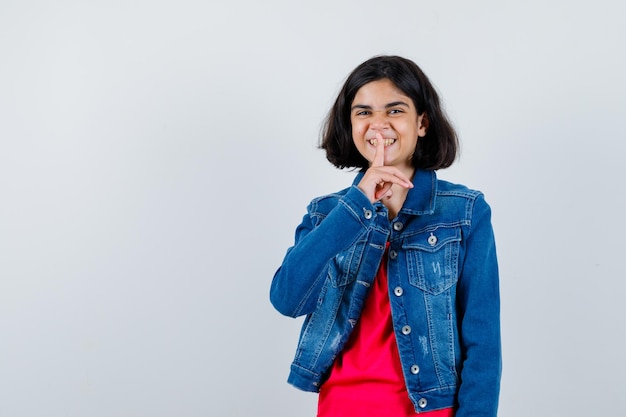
{"type": "Point", "coordinates": [387, 141]}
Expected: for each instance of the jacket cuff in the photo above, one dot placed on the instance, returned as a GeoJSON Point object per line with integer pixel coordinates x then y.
{"type": "Point", "coordinates": [359, 205]}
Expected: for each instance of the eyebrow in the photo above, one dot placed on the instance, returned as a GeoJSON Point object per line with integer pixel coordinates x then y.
{"type": "Point", "coordinates": [368, 107]}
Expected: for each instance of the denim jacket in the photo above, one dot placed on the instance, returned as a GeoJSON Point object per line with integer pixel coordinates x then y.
{"type": "Point", "coordinates": [443, 289]}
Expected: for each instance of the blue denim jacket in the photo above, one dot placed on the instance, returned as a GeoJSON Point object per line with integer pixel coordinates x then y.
{"type": "Point", "coordinates": [443, 290]}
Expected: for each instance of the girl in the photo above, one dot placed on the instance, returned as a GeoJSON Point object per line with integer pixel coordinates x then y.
{"type": "Point", "coordinates": [397, 274]}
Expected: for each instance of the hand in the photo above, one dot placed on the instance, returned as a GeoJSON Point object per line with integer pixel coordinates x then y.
{"type": "Point", "coordinates": [378, 179]}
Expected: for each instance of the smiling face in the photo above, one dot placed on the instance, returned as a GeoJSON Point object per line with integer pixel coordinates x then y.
{"type": "Point", "coordinates": [381, 107]}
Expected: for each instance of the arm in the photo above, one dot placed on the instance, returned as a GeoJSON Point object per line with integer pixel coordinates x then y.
{"type": "Point", "coordinates": [479, 307]}
{"type": "Point", "coordinates": [297, 283]}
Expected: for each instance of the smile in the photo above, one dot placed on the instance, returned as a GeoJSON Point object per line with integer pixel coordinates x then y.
{"type": "Point", "coordinates": [387, 141]}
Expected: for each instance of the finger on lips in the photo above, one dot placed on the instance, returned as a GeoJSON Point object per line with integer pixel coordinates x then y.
{"type": "Point", "coordinates": [379, 155]}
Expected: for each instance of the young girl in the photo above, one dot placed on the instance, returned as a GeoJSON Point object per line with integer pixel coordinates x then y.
{"type": "Point", "coordinates": [397, 274]}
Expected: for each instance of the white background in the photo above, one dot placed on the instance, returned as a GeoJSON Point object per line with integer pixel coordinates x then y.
{"type": "Point", "coordinates": [156, 156]}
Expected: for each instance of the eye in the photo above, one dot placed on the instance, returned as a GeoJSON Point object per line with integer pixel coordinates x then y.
{"type": "Point", "coordinates": [396, 111]}
{"type": "Point", "coordinates": [363, 113]}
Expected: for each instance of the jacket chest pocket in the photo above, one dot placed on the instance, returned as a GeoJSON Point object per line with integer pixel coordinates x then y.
{"type": "Point", "coordinates": [433, 259]}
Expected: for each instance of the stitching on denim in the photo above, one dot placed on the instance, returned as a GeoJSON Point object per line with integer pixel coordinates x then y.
{"type": "Point", "coordinates": [309, 291]}
{"type": "Point", "coordinates": [431, 227]}
{"type": "Point", "coordinates": [431, 338]}
{"type": "Point", "coordinates": [320, 342]}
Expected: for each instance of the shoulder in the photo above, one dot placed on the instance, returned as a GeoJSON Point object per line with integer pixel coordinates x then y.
{"type": "Point", "coordinates": [446, 188]}
{"type": "Point", "coordinates": [460, 198]}
{"type": "Point", "coordinates": [351, 199]}
{"type": "Point", "coordinates": [325, 203]}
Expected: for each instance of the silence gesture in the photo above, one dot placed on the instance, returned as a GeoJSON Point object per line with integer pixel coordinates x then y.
{"type": "Point", "coordinates": [379, 179]}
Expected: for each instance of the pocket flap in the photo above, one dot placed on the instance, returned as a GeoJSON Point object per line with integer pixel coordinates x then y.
{"type": "Point", "coordinates": [434, 240]}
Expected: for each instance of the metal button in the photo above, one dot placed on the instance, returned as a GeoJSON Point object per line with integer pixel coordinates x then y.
{"type": "Point", "coordinates": [406, 330]}
{"type": "Point", "coordinates": [393, 254]}
{"type": "Point", "coordinates": [397, 226]}
{"type": "Point", "coordinates": [398, 291]}
{"type": "Point", "coordinates": [422, 403]}
{"type": "Point", "coordinates": [367, 214]}
{"type": "Point", "coordinates": [432, 240]}
{"type": "Point", "coordinates": [415, 369]}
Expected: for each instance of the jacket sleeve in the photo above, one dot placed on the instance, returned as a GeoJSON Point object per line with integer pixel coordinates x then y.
{"type": "Point", "coordinates": [297, 282]}
{"type": "Point", "coordinates": [479, 308]}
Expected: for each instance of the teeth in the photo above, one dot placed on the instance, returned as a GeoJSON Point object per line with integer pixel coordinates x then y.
{"type": "Point", "coordinates": [387, 142]}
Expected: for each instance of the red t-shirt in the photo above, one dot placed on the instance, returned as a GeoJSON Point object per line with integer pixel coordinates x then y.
{"type": "Point", "coordinates": [366, 378]}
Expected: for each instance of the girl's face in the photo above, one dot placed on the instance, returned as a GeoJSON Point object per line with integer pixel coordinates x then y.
{"type": "Point", "coordinates": [381, 107]}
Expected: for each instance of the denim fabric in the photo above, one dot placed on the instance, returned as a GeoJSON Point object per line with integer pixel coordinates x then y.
{"type": "Point", "coordinates": [443, 289]}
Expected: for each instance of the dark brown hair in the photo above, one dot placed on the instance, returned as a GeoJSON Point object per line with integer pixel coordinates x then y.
{"type": "Point", "coordinates": [437, 149]}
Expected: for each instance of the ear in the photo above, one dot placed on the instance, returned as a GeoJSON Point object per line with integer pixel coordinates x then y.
{"type": "Point", "coordinates": [422, 124]}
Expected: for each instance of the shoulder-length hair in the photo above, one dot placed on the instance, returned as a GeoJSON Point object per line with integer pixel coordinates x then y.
{"type": "Point", "coordinates": [437, 149]}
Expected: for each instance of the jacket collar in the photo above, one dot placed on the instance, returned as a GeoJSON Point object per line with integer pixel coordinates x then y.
{"type": "Point", "coordinates": [421, 198]}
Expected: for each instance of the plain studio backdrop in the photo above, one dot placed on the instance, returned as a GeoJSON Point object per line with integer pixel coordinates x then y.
{"type": "Point", "coordinates": [156, 157]}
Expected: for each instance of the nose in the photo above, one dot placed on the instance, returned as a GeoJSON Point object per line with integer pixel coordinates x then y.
{"type": "Point", "coordinates": [379, 120]}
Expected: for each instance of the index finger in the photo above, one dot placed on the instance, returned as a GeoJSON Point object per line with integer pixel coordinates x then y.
{"type": "Point", "coordinates": [379, 156]}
